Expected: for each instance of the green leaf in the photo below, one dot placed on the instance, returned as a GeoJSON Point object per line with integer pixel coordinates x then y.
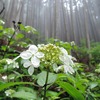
{"type": "Point", "coordinates": [80, 86]}
{"type": "Point", "coordinates": [1, 27]}
{"type": "Point", "coordinates": [3, 47]}
{"type": "Point", "coordinates": [9, 31]}
{"type": "Point", "coordinates": [22, 27]}
{"type": "Point", "coordinates": [78, 83]}
{"type": "Point", "coordinates": [71, 90]}
{"type": "Point", "coordinates": [11, 76]}
{"type": "Point", "coordinates": [69, 77]}
{"type": "Point", "coordinates": [97, 95]}
{"type": "Point", "coordinates": [42, 78]}
{"type": "Point", "coordinates": [52, 94]}
{"type": "Point", "coordinates": [93, 84]}
{"type": "Point", "coordinates": [34, 31]}
{"type": "Point", "coordinates": [31, 29]}
{"type": "Point", "coordinates": [7, 85]}
{"type": "Point", "coordinates": [26, 89]}
{"type": "Point", "coordinates": [97, 70]}
{"type": "Point", "coordinates": [24, 95]}
{"type": "Point", "coordinates": [19, 36]}
{"type": "Point", "coordinates": [89, 97]}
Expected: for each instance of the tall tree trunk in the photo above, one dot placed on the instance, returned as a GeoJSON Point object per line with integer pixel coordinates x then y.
{"type": "Point", "coordinates": [57, 17]}
{"type": "Point", "coordinates": [86, 27]}
{"type": "Point", "coordinates": [71, 15]}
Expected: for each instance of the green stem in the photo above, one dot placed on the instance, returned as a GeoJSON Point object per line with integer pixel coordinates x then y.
{"type": "Point", "coordinates": [45, 86]}
{"type": "Point", "coordinates": [6, 51]}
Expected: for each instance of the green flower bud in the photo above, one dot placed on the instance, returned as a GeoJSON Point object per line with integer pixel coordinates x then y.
{"type": "Point", "coordinates": [51, 53]}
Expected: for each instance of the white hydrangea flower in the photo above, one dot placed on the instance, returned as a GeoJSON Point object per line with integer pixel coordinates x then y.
{"type": "Point", "coordinates": [31, 58]}
{"type": "Point", "coordinates": [51, 55]}
{"type": "Point", "coordinates": [72, 43]}
{"type": "Point", "coordinates": [66, 68]}
{"type": "Point", "coordinates": [67, 62]}
{"type": "Point", "coordinates": [15, 65]}
{"type": "Point", "coordinates": [10, 63]}
{"type": "Point", "coordinates": [9, 92]}
{"type": "Point", "coordinates": [4, 77]}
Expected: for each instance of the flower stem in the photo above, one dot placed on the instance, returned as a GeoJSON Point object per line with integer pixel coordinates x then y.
{"type": "Point", "coordinates": [45, 86]}
{"type": "Point", "coordinates": [9, 41]}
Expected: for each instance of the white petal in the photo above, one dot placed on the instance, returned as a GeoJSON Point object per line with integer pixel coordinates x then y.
{"type": "Point", "coordinates": [35, 61]}
{"type": "Point", "coordinates": [39, 54]}
{"type": "Point", "coordinates": [62, 58]}
{"type": "Point", "coordinates": [64, 51]}
{"type": "Point", "coordinates": [59, 68]}
{"type": "Point", "coordinates": [25, 54]}
{"type": "Point", "coordinates": [69, 60]}
{"type": "Point", "coordinates": [4, 77]}
{"type": "Point", "coordinates": [68, 69]}
{"type": "Point", "coordinates": [33, 49]}
{"type": "Point", "coordinates": [55, 67]}
{"type": "Point", "coordinates": [71, 70]}
{"type": "Point", "coordinates": [65, 69]}
{"type": "Point", "coordinates": [15, 65]}
{"type": "Point", "coordinates": [24, 60]}
{"type": "Point", "coordinates": [31, 70]}
{"type": "Point", "coordinates": [66, 59]}
{"type": "Point", "coordinates": [27, 64]}
{"type": "Point", "coordinates": [9, 61]}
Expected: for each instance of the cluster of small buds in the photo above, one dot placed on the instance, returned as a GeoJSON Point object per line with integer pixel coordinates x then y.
{"type": "Point", "coordinates": [51, 54]}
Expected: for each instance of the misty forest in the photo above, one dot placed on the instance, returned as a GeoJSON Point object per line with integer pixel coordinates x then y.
{"type": "Point", "coordinates": [49, 49]}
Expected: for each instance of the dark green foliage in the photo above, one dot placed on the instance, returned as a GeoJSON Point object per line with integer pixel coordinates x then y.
{"type": "Point", "coordinates": [95, 52]}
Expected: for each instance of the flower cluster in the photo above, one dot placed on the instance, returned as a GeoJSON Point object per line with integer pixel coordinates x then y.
{"type": "Point", "coordinates": [50, 55]}
{"type": "Point", "coordinates": [31, 58]}
{"type": "Point", "coordinates": [67, 62]}
{"type": "Point", "coordinates": [11, 63]}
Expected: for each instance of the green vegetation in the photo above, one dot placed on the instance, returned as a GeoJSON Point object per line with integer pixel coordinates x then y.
{"type": "Point", "coordinates": [46, 83]}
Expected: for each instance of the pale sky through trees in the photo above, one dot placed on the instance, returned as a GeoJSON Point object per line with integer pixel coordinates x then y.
{"type": "Point", "coordinates": [68, 20]}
